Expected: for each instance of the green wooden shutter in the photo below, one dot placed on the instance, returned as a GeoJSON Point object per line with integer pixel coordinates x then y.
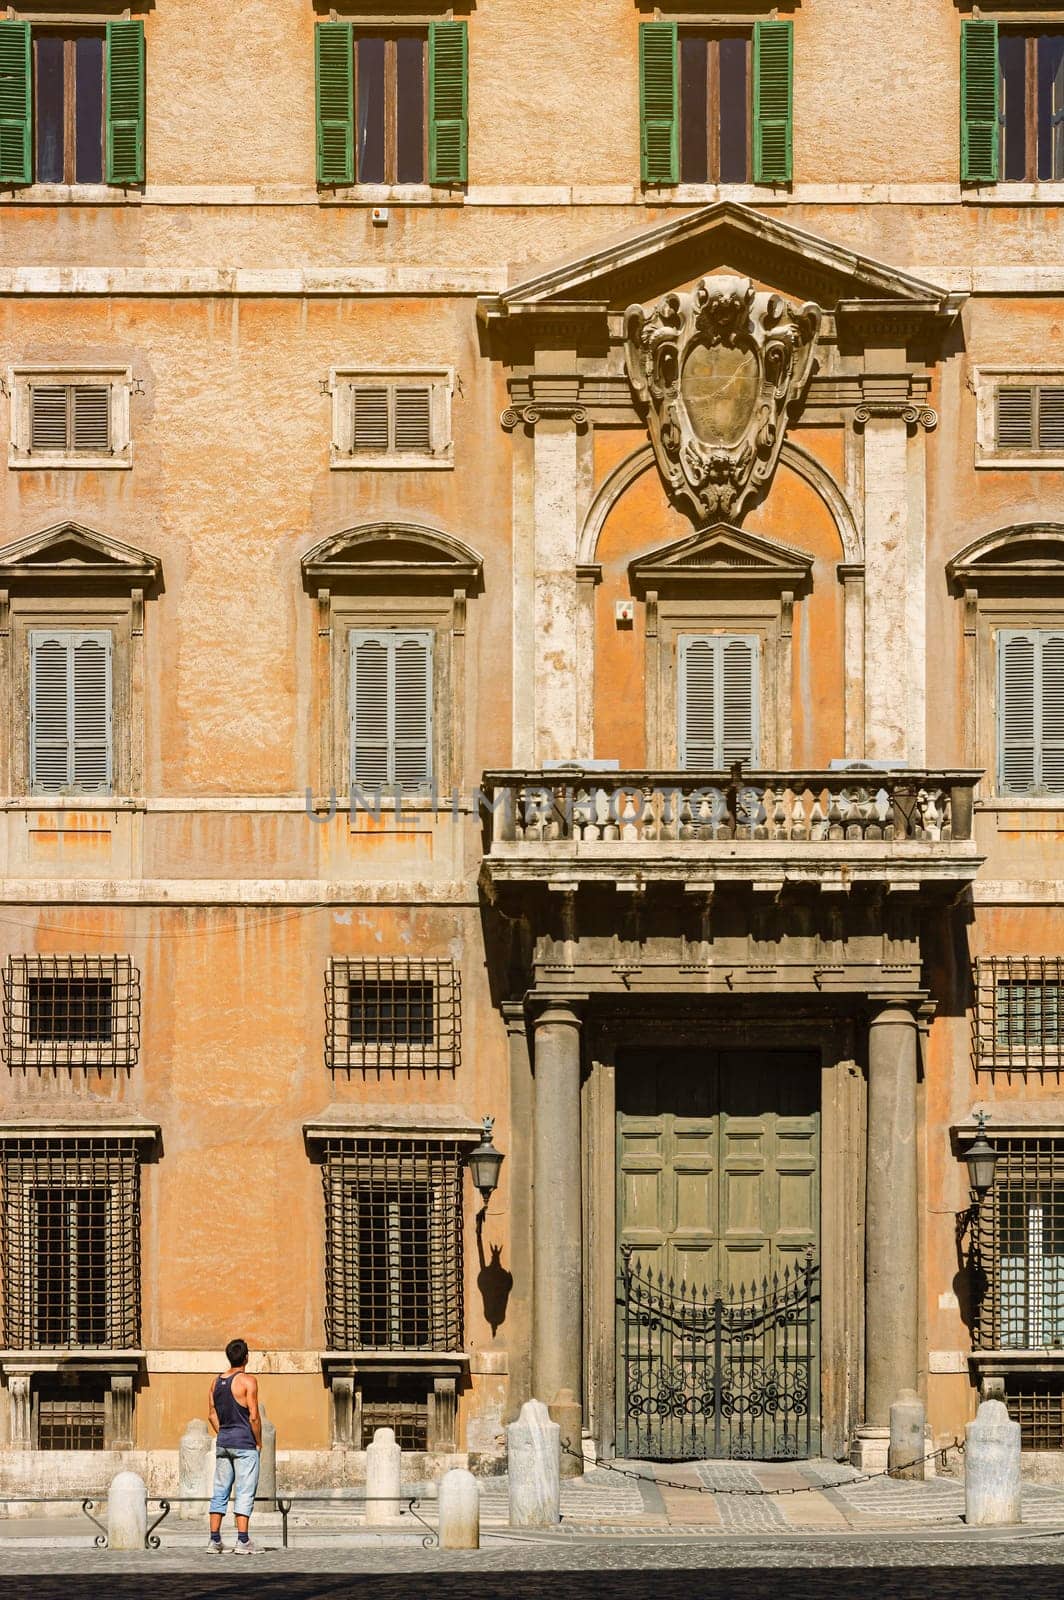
{"type": "Point", "coordinates": [125, 102]}
{"type": "Point", "coordinates": [980, 126]}
{"type": "Point", "coordinates": [773, 96]}
{"type": "Point", "coordinates": [1016, 715]}
{"type": "Point", "coordinates": [334, 77]}
{"type": "Point", "coordinates": [16, 141]}
{"type": "Point", "coordinates": [448, 102]}
{"type": "Point", "coordinates": [70, 712]}
{"type": "Point", "coordinates": [658, 103]}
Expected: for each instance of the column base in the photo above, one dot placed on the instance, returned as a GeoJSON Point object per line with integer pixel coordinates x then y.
{"type": "Point", "coordinates": [870, 1450]}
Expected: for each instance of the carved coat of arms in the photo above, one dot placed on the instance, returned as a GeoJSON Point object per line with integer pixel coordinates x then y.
{"type": "Point", "coordinates": [718, 368]}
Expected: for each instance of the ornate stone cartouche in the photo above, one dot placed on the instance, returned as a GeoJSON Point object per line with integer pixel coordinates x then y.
{"type": "Point", "coordinates": [718, 370]}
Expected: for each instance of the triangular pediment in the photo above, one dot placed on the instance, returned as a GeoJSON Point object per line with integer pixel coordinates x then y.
{"type": "Point", "coordinates": [70, 550]}
{"type": "Point", "coordinates": [386, 550]}
{"type": "Point", "coordinates": [723, 236]}
{"type": "Point", "coordinates": [722, 552]}
{"type": "Point", "coordinates": [1030, 553]}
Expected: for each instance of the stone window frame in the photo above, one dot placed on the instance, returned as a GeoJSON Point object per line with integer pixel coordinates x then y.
{"type": "Point", "coordinates": [439, 380]}
{"type": "Point", "coordinates": [713, 617]}
{"type": "Point", "coordinates": [987, 380]}
{"type": "Point", "coordinates": [119, 379]}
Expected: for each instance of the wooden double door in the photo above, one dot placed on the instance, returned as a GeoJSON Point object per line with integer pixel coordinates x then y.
{"type": "Point", "coordinates": [718, 1214]}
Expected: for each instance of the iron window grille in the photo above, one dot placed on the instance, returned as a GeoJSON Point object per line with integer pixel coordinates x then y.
{"type": "Point", "coordinates": [393, 1244]}
{"type": "Point", "coordinates": [1019, 1013]}
{"type": "Point", "coordinates": [1036, 1402]}
{"type": "Point", "coordinates": [71, 1417]}
{"type": "Point", "coordinates": [71, 1011]}
{"type": "Point", "coordinates": [1020, 1247]}
{"type": "Point", "coordinates": [404, 1408]}
{"type": "Point", "coordinates": [70, 1243]}
{"type": "Point", "coordinates": [388, 1013]}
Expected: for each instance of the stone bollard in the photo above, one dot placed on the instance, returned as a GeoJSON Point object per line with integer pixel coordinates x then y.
{"type": "Point", "coordinates": [384, 1467]}
{"type": "Point", "coordinates": [566, 1411]}
{"type": "Point", "coordinates": [267, 1490]}
{"type": "Point", "coordinates": [991, 1467]}
{"type": "Point", "coordinates": [193, 1467]}
{"type": "Point", "coordinates": [908, 1445]}
{"type": "Point", "coordinates": [533, 1452]}
{"type": "Point", "coordinates": [459, 1511]}
{"type": "Point", "coordinates": [127, 1512]}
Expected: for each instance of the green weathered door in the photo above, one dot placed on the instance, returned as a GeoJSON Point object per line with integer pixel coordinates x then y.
{"type": "Point", "coordinates": [718, 1191]}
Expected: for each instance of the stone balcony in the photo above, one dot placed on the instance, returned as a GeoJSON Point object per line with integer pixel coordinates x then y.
{"type": "Point", "coordinates": [903, 830]}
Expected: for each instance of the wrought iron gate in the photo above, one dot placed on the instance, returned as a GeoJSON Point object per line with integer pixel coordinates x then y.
{"type": "Point", "coordinates": [701, 1378]}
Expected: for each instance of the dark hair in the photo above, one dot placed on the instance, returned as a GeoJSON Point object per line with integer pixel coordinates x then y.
{"type": "Point", "coordinates": [236, 1352]}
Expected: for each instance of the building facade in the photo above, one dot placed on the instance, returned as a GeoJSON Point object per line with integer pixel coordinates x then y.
{"type": "Point", "coordinates": [531, 587]}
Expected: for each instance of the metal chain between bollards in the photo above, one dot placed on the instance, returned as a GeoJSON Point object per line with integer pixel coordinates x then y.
{"type": "Point", "coordinates": [805, 1488]}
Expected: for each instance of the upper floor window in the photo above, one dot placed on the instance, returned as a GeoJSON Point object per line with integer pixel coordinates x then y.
{"type": "Point", "coordinates": [385, 1013]}
{"type": "Point", "coordinates": [391, 104]}
{"type": "Point", "coordinates": [715, 103]}
{"type": "Point", "coordinates": [1018, 1016]}
{"type": "Point", "coordinates": [386, 419]}
{"type": "Point", "coordinates": [391, 707]}
{"type": "Point", "coordinates": [71, 103]}
{"type": "Point", "coordinates": [70, 711]}
{"type": "Point", "coordinates": [1012, 103]}
{"type": "Point", "coordinates": [66, 416]}
{"type": "Point", "coordinates": [71, 1011]}
{"type": "Point", "coordinates": [717, 701]}
{"type": "Point", "coordinates": [1030, 711]}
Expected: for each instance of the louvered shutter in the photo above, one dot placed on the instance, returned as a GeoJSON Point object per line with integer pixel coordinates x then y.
{"type": "Point", "coordinates": [1051, 420]}
{"type": "Point", "coordinates": [697, 702]}
{"type": "Point", "coordinates": [1014, 417]}
{"type": "Point", "coordinates": [334, 76]}
{"type": "Point", "coordinates": [737, 676]}
{"type": "Point", "coordinates": [980, 127]}
{"type": "Point", "coordinates": [372, 760]}
{"type": "Point", "coordinates": [16, 135]}
{"type": "Point", "coordinates": [413, 420]}
{"type": "Point", "coordinates": [70, 712]}
{"type": "Point", "coordinates": [1051, 775]}
{"type": "Point", "coordinates": [91, 418]}
{"type": "Point", "coordinates": [773, 95]}
{"type": "Point", "coordinates": [369, 410]}
{"type": "Point", "coordinates": [125, 102]}
{"type": "Point", "coordinates": [658, 102]}
{"type": "Point", "coordinates": [49, 406]}
{"type": "Point", "coordinates": [1017, 743]}
{"type": "Point", "coordinates": [448, 102]}
{"type": "Point", "coordinates": [413, 708]}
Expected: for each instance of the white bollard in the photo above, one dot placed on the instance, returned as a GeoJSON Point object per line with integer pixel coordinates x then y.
{"type": "Point", "coordinates": [193, 1465]}
{"type": "Point", "coordinates": [907, 1441]}
{"type": "Point", "coordinates": [127, 1512]}
{"type": "Point", "coordinates": [384, 1469]}
{"type": "Point", "coordinates": [459, 1511]}
{"type": "Point", "coordinates": [992, 1467]}
{"type": "Point", "coordinates": [533, 1454]}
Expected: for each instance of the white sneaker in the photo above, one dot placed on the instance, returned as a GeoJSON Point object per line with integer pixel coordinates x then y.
{"type": "Point", "coordinates": [246, 1549]}
{"type": "Point", "coordinates": [215, 1547]}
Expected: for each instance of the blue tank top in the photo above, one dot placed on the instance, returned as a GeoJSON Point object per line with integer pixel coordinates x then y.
{"type": "Point", "coordinates": [234, 1420]}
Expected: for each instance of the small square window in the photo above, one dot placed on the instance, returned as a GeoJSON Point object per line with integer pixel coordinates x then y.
{"type": "Point", "coordinates": [1019, 1013]}
{"type": "Point", "coordinates": [71, 1011]}
{"type": "Point", "coordinates": [392, 1013]}
{"type": "Point", "coordinates": [70, 417]}
{"type": "Point", "coordinates": [384, 419]}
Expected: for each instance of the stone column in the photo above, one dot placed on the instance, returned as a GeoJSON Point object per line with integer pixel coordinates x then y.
{"type": "Point", "coordinates": [891, 1251]}
{"type": "Point", "coordinates": [556, 1213]}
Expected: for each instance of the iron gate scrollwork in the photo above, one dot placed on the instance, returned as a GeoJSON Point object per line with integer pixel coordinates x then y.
{"type": "Point", "coordinates": [704, 1378]}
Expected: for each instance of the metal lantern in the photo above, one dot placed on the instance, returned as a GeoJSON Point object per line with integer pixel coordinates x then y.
{"type": "Point", "coordinates": [980, 1158]}
{"type": "Point", "coordinates": [485, 1161]}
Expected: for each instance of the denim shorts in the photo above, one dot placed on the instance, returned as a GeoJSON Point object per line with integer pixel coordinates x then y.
{"type": "Point", "coordinates": [239, 1468]}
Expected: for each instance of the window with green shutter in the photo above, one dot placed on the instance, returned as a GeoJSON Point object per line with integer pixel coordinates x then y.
{"type": "Point", "coordinates": [773, 94]}
{"type": "Point", "coordinates": [1030, 711]}
{"type": "Point", "coordinates": [70, 712]}
{"type": "Point", "coordinates": [72, 103]}
{"type": "Point", "coordinates": [391, 708]}
{"type": "Point", "coordinates": [658, 102]}
{"type": "Point", "coordinates": [980, 134]}
{"type": "Point", "coordinates": [391, 104]}
{"type": "Point", "coordinates": [717, 701]}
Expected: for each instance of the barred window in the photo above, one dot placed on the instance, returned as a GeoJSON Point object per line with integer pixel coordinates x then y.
{"type": "Point", "coordinates": [393, 1244]}
{"type": "Point", "coordinates": [70, 1415]}
{"type": "Point", "coordinates": [1020, 1246]}
{"type": "Point", "coordinates": [401, 1405]}
{"type": "Point", "coordinates": [66, 1011]}
{"type": "Point", "coordinates": [1036, 1401]}
{"type": "Point", "coordinates": [1019, 1013]}
{"type": "Point", "coordinates": [389, 1013]}
{"type": "Point", "coordinates": [70, 1242]}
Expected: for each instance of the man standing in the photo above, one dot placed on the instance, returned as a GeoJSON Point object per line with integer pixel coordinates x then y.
{"type": "Point", "coordinates": [233, 1413]}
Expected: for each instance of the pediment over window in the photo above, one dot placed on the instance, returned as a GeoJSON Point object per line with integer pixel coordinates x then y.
{"type": "Point", "coordinates": [391, 552]}
{"type": "Point", "coordinates": [69, 551]}
{"type": "Point", "coordinates": [733, 237]}
{"type": "Point", "coordinates": [723, 553]}
{"type": "Point", "coordinates": [1028, 556]}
